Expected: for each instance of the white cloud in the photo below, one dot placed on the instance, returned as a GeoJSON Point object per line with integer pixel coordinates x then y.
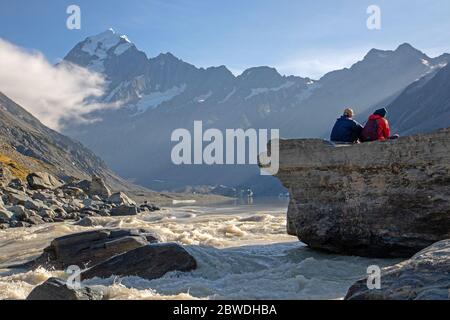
{"type": "Point", "coordinates": [48, 92]}
{"type": "Point", "coordinates": [315, 65]}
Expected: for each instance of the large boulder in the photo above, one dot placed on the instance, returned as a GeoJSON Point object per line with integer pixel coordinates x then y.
{"type": "Point", "coordinates": [148, 262]}
{"type": "Point", "coordinates": [17, 198]}
{"type": "Point", "coordinates": [90, 248]}
{"type": "Point", "coordinates": [5, 215]}
{"type": "Point", "coordinates": [98, 187]}
{"type": "Point", "coordinates": [426, 276]}
{"type": "Point", "coordinates": [57, 289]}
{"type": "Point", "coordinates": [380, 199]}
{"type": "Point", "coordinates": [124, 210]}
{"type": "Point", "coordinates": [43, 180]}
{"type": "Point", "coordinates": [120, 198]}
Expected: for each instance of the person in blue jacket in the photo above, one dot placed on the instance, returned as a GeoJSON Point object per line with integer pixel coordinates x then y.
{"type": "Point", "coordinates": [346, 130]}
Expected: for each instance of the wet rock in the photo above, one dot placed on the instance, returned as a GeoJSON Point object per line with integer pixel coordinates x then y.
{"type": "Point", "coordinates": [380, 199]}
{"type": "Point", "coordinates": [88, 248]}
{"type": "Point", "coordinates": [55, 289]}
{"type": "Point", "coordinates": [121, 198]}
{"type": "Point", "coordinates": [43, 180]}
{"type": "Point", "coordinates": [98, 187]}
{"type": "Point", "coordinates": [149, 262]}
{"type": "Point", "coordinates": [426, 276]}
{"type": "Point", "coordinates": [124, 210]}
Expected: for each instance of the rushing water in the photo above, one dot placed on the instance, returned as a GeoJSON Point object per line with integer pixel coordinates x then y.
{"type": "Point", "coordinates": [243, 252]}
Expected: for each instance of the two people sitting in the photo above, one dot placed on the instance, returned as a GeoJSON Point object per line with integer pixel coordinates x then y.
{"type": "Point", "coordinates": [347, 130]}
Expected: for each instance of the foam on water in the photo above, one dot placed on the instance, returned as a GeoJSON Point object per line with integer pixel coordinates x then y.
{"type": "Point", "coordinates": [242, 253]}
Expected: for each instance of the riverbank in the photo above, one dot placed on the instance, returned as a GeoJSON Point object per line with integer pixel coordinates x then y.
{"type": "Point", "coordinates": [243, 252]}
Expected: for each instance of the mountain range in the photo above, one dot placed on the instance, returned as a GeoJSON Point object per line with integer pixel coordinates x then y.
{"type": "Point", "coordinates": [164, 93]}
{"type": "Point", "coordinates": [27, 145]}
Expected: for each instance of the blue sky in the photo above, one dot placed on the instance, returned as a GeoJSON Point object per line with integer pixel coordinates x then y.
{"type": "Point", "coordinates": [301, 37]}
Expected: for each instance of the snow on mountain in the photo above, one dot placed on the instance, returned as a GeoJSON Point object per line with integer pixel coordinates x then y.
{"type": "Point", "coordinates": [168, 93]}
{"type": "Point", "coordinates": [98, 48]}
{"type": "Point", "coordinates": [154, 99]}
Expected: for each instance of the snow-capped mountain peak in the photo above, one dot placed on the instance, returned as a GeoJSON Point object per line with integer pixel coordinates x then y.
{"type": "Point", "coordinates": [95, 50]}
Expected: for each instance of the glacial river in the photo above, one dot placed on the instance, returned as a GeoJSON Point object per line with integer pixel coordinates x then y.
{"type": "Point", "coordinates": [243, 252]}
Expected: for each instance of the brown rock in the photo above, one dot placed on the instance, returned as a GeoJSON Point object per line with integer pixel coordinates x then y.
{"type": "Point", "coordinates": [55, 289]}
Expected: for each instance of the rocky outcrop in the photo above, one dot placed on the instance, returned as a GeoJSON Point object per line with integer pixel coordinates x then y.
{"type": "Point", "coordinates": [426, 276]}
{"type": "Point", "coordinates": [149, 262]}
{"type": "Point", "coordinates": [43, 180]}
{"type": "Point", "coordinates": [90, 248]}
{"type": "Point", "coordinates": [124, 210]}
{"type": "Point", "coordinates": [380, 199]}
{"type": "Point", "coordinates": [26, 145]}
{"type": "Point", "coordinates": [45, 200]}
{"type": "Point", "coordinates": [99, 188]}
{"type": "Point", "coordinates": [56, 289]}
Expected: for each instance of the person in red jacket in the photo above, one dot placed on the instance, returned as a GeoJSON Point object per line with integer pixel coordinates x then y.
{"type": "Point", "coordinates": [377, 127]}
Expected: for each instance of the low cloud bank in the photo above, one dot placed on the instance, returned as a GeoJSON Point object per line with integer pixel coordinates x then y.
{"type": "Point", "coordinates": [53, 94]}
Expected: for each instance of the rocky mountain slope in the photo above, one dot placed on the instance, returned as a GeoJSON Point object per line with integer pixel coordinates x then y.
{"type": "Point", "coordinates": [165, 93]}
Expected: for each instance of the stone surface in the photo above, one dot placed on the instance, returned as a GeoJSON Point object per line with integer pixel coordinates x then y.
{"type": "Point", "coordinates": [121, 198]}
{"type": "Point", "coordinates": [17, 198]}
{"type": "Point", "coordinates": [19, 212]}
{"type": "Point", "coordinates": [56, 289]}
{"type": "Point", "coordinates": [88, 222]}
{"type": "Point", "coordinates": [5, 215]}
{"type": "Point", "coordinates": [89, 248]}
{"type": "Point", "coordinates": [98, 187]}
{"type": "Point", "coordinates": [124, 210]}
{"type": "Point", "coordinates": [17, 184]}
{"type": "Point", "coordinates": [149, 262]}
{"type": "Point", "coordinates": [380, 199]}
{"type": "Point", "coordinates": [426, 276]}
{"type": "Point", "coordinates": [43, 180]}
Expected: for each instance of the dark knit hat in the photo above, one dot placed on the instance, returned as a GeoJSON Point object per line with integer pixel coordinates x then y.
{"type": "Point", "coordinates": [381, 112]}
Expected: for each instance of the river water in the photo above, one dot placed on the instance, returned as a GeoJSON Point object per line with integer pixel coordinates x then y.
{"type": "Point", "coordinates": [242, 251]}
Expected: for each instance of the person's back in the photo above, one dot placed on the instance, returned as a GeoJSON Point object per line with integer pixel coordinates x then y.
{"type": "Point", "coordinates": [377, 127]}
{"type": "Point", "coordinates": [346, 130]}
